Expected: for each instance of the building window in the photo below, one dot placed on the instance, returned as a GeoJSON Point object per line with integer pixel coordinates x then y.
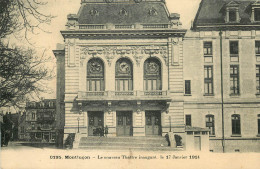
{"type": "Point", "coordinates": [232, 16]}
{"type": "Point", "coordinates": [208, 54]}
{"type": "Point", "coordinates": [152, 74]}
{"type": "Point", "coordinates": [234, 52]}
{"type": "Point", "coordinates": [257, 14]}
{"type": "Point", "coordinates": [33, 116]}
{"type": "Point", "coordinates": [187, 87]}
{"type": "Point", "coordinates": [258, 79]}
{"type": "Point", "coordinates": [258, 121]}
{"type": "Point", "coordinates": [257, 50]}
{"type": "Point", "coordinates": [33, 126]}
{"type": "Point", "coordinates": [234, 80]}
{"type": "Point", "coordinates": [236, 129]}
{"type": "Point", "coordinates": [210, 123]}
{"type": "Point", "coordinates": [124, 75]}
{"type": "Point", "coordinates": [95, 75]}
{"type": "Point", "coordinates": [208, 80]}
{"type": "Point", "coordinates": [188, 120]}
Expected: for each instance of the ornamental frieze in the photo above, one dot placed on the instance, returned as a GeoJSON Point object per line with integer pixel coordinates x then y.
{"type": "Point", "coordinates": [137, 52]}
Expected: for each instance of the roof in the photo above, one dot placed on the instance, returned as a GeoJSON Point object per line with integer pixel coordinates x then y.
{"type": "Point", "coordinates": [103, 13]}
{"type": "Point", "coordinates": [213, 12]}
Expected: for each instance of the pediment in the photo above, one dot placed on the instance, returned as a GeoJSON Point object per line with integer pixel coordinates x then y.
{"type": "Point", "coordinates": [256, 3]}
{"type": "Point", "coordinates": [232, 4]}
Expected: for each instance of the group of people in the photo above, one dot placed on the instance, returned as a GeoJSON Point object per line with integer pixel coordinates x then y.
{"type": "Point", "coordinates": [101, 132]}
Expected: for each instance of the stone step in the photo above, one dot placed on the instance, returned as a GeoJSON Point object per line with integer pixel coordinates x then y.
{"type": "Point", "coordinates": [124, 139]}
{"type": "Point", "coordinates": [123, 148]}
{"type": "Point", "coordinates": [125, 144]}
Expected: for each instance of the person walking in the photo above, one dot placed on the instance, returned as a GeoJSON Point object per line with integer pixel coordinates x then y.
{"type": "Point", "coordinates": [106, 131]}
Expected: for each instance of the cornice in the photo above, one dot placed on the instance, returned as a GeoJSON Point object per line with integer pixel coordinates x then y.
{"type": "Point", "coordinates": [124, 33]}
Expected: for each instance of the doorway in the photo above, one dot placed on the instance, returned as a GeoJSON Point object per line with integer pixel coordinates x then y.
{"type": "Point", "coordinates": [95, 123]}
{"type": "Point", "coordinates": [197, 143]}
{"type": "Point", "coordinates": [124, 123]}
{"type": "Point", "coordinates": [153, 123]}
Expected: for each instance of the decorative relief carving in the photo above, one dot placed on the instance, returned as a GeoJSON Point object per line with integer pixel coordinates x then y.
{"type": "Point", "coordinates": [137, 52]}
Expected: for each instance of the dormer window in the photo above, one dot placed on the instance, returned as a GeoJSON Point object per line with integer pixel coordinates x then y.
{"type": "Point", "coordinates": [123, 12]}
{"type": "Point", "coordinates": [232, 16]}
{"type": "Point", "coordinates": [232, 12]}
{"type": "Point", "coordinates": [152, 12]}
{"type": "Point", "coordinates": [257, 14]}
{"type": "Point", "coordinates": [94, 12]}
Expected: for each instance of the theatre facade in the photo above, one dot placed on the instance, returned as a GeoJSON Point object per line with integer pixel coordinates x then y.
{"type": "Point", "coordinates": [123, 69]}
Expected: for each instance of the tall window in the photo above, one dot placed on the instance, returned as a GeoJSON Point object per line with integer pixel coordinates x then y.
{"type": "Point", "coordinates": [187, 87]}
{"type": "Point", "coordinates": [234, 51]}
{"type": "Point", "coordinates": [210, 123]}
{"type": "Point", "coordinates": [257, 50]}
{"type": "Point", "coordinates": [232, 16]}
{"type": "Point", "coordinates": [208, 80]}
{"type": "Point", "coordinates": [258, 121]}
{"type": "Point", "coordinates": [258, 79]}
{"type": "Point", "coordinates": [236, 129]}
{"type": "Point", "coordinates": [188, 120]}
{"type": "Point", "coordinates": [234, 80]}
{"type": "Point", "coordinates": [33, 116]}
{"type": "Point", "coordinates": [257, 14]}
{"type": "Point", "coordinates": [152, 74]}
{"type": "Point", "coordinates": [208, 55]}
{"type": "Point", "coordinates": [124, 75]}
{"type": "Point", "coordinates": [95, 75]}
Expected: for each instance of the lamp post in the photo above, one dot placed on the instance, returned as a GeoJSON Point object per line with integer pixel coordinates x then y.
{"type": "Point", "coordinates": [78, 123]}
{"type": "Point", "coordinates": [170, 119]}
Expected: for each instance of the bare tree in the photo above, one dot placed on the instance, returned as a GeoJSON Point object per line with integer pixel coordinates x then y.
{"type": "Point", "coordinates": [22, 71]}
{"type": "Point", "coordinates": [21, 75]}
{"type": "Point", "coordinates": [22, 15]}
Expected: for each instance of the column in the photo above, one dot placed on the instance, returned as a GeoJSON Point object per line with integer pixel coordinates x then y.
{"type": "Point", "coordinates": [138, 123]}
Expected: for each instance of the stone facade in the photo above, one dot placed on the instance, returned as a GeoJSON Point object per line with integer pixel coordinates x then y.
{"type": "Point", "coordinates": [140, 91]}
{"type": "Point", "coordinates": [212, 37]}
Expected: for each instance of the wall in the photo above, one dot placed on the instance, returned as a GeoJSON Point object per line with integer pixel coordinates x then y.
{"type": "Point", "coordinates": [247, 104]}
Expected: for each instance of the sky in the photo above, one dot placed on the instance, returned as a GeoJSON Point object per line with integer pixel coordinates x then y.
{"type": "Point", "coordinates": [61, 8]}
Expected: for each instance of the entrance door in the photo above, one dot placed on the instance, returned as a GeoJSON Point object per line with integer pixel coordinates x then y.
{"type": "Point", "coordinates": [95, 123]}
{"type": "Point", "coordinates": [197, 143]}
{"type": "Point", "coordinates": [153, 123]}
{"type": "Point", "coordinates": [124, 123]}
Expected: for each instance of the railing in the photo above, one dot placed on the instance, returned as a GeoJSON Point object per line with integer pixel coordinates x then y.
{"type": "Point", "coordinates": [104, 94]}
{"type": "Point", "coordinates": [144, 26]}
{"type": "Point", "coordinates": [91, 26]}
{"type": "Point", "coordinates": [155, 93]}
{"type": "Point", "coordinates": [155, 26]}
{"type": "Point", "coordinates": [130, 93]}
{"type": "Point", "coordinates": [124, 26]}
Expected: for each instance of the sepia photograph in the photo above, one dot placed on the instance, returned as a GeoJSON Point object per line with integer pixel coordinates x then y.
{"type": "Point", "coordinates": [130, 84]}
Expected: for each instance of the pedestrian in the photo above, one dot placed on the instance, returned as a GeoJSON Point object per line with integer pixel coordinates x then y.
{"type": "Point", "coordinates": [106, 131]}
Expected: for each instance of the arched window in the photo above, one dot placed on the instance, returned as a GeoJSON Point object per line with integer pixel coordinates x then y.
{"type": "Point", "coordinates": [210, 123]}
{"type": "Point", "coordinates": [236, 129]}
{"type": "Point", "coordinates": [95, 75]}
{"type": "Point", "coordinates": [152, 74]}
{"type": "Point", "coordinates": [124, 75]}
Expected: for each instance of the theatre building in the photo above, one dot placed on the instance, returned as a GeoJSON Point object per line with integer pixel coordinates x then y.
{"type": "Point", "coordinates": [123, 64]}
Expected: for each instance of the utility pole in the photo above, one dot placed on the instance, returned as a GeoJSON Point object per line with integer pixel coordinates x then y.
{"type": "Point", "coordinates": [222, 90]}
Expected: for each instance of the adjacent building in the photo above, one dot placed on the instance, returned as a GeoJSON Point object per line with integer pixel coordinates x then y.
{"type": "Point", "coordinates": [221, 70]}
{"type": "Point", "coordinates": [38, 122]}
{"type": "Point", "coordinates": [129, 66]}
